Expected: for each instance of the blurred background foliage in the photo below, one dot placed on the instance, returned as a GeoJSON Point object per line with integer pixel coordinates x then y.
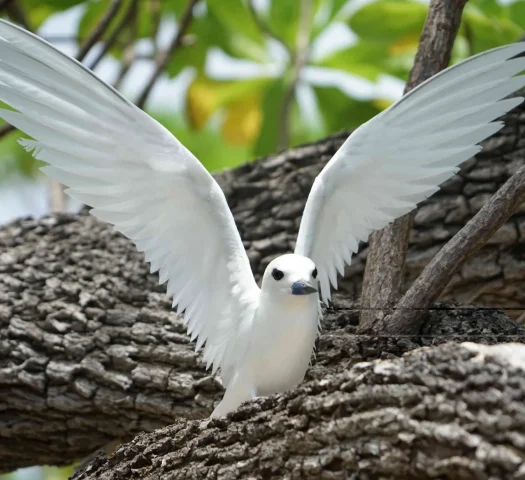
{"type": "Point", "coordinates": [266, 74]}
{"type": "Point", "coordinates": [251, 77]}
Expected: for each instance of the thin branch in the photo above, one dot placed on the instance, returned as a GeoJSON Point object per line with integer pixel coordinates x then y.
{"type": "Point", "coordinates": [411, 309]}
{"type": "Point", "coordinates": [164, 59]}
{"type": "Point", "coordinates": [300, 57]}
{"type": "Point", "coordinates": [265, 28]}
{"type": "Point", "coordinates": [129, 52]}
{"type": "Point", "coordinates": [5, 129]}
{"type": "Point", "coordinates": [17, 14]}
{"type": "Point", "coordinates": [99, 30]}
{"type": "Point", "coordinates": [95, 36]}
{"type": "Point", "coordinates": [384, 272]}
{"type": "Point", "coordinates": [112, 39]}
{"type": "Point", "coordinates": [4, 4]}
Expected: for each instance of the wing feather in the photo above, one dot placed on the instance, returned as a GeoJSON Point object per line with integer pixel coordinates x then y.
{"type": "Point", "coordinates": [397, 159]}
{"type": "Point", "coordinates": [139, 178]}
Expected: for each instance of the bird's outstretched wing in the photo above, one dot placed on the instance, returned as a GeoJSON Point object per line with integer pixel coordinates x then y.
{"type": "Point", "coordinates": [399, 158]}
{"type": "Point", "coordinates": [138, 177]}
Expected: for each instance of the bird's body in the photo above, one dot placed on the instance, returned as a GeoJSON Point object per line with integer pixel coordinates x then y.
{"type": "Point", "coordinates": [138, 177]}
{"type": "Point", "coordinates": [276, 340]}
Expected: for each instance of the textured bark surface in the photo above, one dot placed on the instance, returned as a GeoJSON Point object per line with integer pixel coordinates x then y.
{"type": "Point", "coordinates": [385, 268]}
{"type": "Point", "coordinates": [410, 311]}
{"type": "Point", "coordinates": [89, 350]}
{"type": "Point", "coordinates": [444, 412]}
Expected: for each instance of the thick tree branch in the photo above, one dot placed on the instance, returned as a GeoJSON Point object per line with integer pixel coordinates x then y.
{"type": "Point", "coordinates": [383, 280]}
{"type": "Point", "coordinates": [410, 311]}
{"type": "Point", "coordinates": [447, 412]}
{"type": "Point", "coordinates": [183, 25]}
{"type": "Point", "coordinates": [90, 351]}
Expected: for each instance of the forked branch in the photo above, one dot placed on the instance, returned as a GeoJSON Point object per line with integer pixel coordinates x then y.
{"type": "Point", "coordinates": [384, 272]}
{"type": "Point", "coordinates": [411, 309]}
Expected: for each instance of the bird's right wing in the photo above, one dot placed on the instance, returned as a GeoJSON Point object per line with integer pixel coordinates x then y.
{"type": "Point", "coordinates": [138, 177]}
{"type": "Point", "coordinates": [397, 159]}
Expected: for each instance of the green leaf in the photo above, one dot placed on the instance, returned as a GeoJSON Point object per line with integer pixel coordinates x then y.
{"type": "Point", "coordinates": [366, 59]}
{"type": "Point", "coordinates": [59, 4]}
{"type": "Point", "coordinates": [487, 32]}
{"type": "Point", "coordinates": [490, 7]}
{"type": "Point", "coordinates": [236, 17]}
{"type": "Point", "coordinates": [193, 55]}
{"type": "Point", "coordinates": [37, 13]}
{"type": "Point", "coordinates": [267, 141]}
{"type": "Point", "coordinates": [325, 12]}
{"type": "Point", "coordinates": [341, 112]}
{"type": "Point", "coordinates": [230, 25]}
{"type": "Point", "coordinates": [91, 16]}
{"type": "Point", "coordinates": [388, 20]}
{"type": "Point", "coordinates": [205, 96]}
{"type": "Point", "coordinates": [96, 9]}
{"type": "Point", "coordinates": [14, 159]}
{"type": "Point", "coordinates": [208, 145]}
{"type": "Point", "coordinates": [517, 12]}
{"type": "Point", "coordinates": [283, 19]}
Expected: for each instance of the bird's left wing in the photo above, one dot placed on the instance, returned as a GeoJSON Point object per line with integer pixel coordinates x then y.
{"type": "Point", "coordinates": [137, 176]}
{"type": "Point", "coordinates": [399, 158]}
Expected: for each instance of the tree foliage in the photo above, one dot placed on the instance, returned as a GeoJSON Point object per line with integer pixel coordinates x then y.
{"type": "Point", "coordinates": [233, 116]}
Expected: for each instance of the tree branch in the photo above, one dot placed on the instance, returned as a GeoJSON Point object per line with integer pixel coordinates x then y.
{"type": "Point", "coordinates": [165, 58]}
{"type": "Point", "coordinates": [131, 12]}
{"type": "Point", "coordinates": [452, 412]}
{"type": "Point", "coordinates": [411, 309]}
{"type": "Point", "coordinates": [14, 11]}
{"type": "Point", "coordinates": [4, 4]}
{"type": "Point", "coordinates": [383, 280]}
{"type": "Point", "coordinates": [99, 30]}
{"type": "Point", "coordinates": [266, 29]}
{"type": "Point", "coordinates": [90, 350]}
{"type": "Point", "coordinates": [90, 41]}
{"type": "Point", "coordinates": [299, 59]}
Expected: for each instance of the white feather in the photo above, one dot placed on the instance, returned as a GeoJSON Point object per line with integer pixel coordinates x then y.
{"type": "Point", "coordinates": [399, 158]}
{"type": "Point", "coordinates": [138, 177]}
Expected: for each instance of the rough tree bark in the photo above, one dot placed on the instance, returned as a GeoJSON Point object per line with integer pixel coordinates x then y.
{"type": "Point", "coordinates": [447, 412]}
{"type": "Point", "coordinates": [385, 269]}
{"type": "Point", "coordinates": [410, 311]}
{"type": "Point", "coordinates": [90, 352]}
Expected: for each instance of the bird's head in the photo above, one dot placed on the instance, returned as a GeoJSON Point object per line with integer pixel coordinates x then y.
{"type": "Point", "coordinates": [290, 275]}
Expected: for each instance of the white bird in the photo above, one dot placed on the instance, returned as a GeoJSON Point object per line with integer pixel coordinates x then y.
{"type": "Point", "coordinates": [141, 179]}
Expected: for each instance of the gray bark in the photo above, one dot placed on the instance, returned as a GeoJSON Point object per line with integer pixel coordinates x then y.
{"type": "Point", "coordinates": [385, 268]}
{"type": "Point", "coordinates": [90, 351]}
{"type": "Point", "coordinates": [448, 412]}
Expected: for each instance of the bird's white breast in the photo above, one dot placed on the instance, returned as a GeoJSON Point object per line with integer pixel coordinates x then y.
{"type": "Point", "coordinates": [282, 344]}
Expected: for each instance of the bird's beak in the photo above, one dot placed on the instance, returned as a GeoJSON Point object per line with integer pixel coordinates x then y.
{"type": "Point", "coordinates": [302, 287]}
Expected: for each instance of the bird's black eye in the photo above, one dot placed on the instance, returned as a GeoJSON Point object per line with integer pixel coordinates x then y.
{"type": "Point", "coordinates": [277, 274]}
{"type": "Point", "coordinates": [314, 273]}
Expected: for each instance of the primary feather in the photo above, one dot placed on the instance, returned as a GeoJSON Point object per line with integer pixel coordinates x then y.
{"type": "Point", "coordinates": [137, 176]}
{"type": "Point", "coordinates": [397, 159]}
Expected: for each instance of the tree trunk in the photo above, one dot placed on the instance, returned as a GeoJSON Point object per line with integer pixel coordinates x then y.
{"type": "Point", "coordinates": [90, 351]}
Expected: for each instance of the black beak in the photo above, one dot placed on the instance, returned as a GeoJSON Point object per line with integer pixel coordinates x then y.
{"type": "Point", "coordinates": [302, 287]}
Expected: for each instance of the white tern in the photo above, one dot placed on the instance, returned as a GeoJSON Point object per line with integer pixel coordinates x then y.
{"type": "Point", "coordinates": [138, 177]}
